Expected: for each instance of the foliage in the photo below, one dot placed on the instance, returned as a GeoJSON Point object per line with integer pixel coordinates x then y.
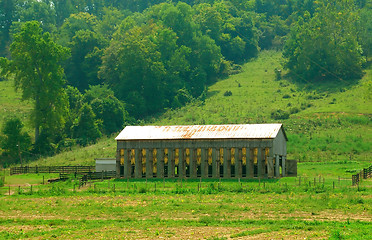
{"type": "Point", "coordinates": [279, 114]}
{"type": "Point", "coordinates": [86, 127]}
{"type": "Point", "coordinates": [15, 142]}
{"type": "Point", "coordinates": [325, 46]}
{"type": "Point", "coordinates": [107, 108]}
{"type": "Point", "coordinates": [86, 52]}
{"type": "Point", "coordinates": [36, 66]}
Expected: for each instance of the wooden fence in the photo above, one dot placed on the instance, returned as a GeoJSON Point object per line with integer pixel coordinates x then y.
{"type": "Point", "coordinates": [52, 169]}
{"type": "Point", "coordinates": [364, 174]}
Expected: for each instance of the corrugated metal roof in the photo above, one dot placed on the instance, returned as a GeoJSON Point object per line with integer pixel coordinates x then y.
{"type": "Point", "coordinates": [235, 131]}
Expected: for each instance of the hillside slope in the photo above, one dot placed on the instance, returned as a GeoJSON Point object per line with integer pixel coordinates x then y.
{"type": "Point", "coordinates": [328, 123]}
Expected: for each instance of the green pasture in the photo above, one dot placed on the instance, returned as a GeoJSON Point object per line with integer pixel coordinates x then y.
{"type": "Point", "coordinates": [188, 209]}
{"type": "Point", "coordinates": [318, 204]}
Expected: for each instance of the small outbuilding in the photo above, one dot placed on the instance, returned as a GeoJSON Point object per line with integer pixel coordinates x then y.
{"type": "Point", "coordinates": [207, 151]}
{"type": "Point", "coordinates": [105, 164]}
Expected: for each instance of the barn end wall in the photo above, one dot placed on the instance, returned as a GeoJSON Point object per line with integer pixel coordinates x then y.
{"type": "Point", "coordinates": [280, 144]}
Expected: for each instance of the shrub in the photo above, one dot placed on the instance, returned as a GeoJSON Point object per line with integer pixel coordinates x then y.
{"type": "Point", "coordinates": [278, 74]}
{"type": "Point", "coordinates": [294, 110]}
{"type": "Point", "coordinates": [227, 93]}
{"type": "Point", "coordinates": [2, 181]}
{"type": "Point", "coordinates": [286, 96]}
{"type": "Point", "coordinates": [279, 114]}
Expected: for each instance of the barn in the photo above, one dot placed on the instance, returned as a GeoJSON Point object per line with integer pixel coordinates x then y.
{"type": "Point", "coordinates": [206, 151]}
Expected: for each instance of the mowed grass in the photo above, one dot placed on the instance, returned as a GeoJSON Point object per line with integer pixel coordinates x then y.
{"type": "Point", "coordinates": [117, 209]}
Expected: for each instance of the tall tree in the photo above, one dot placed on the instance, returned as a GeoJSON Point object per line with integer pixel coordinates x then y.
{"type": "Point", "coordinates": [38, 74]}
{"type": "Point", "coordinates": [132, 66]}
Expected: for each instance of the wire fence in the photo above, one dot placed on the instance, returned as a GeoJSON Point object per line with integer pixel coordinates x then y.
{"type": "Point", "coordinates": [97, 183]}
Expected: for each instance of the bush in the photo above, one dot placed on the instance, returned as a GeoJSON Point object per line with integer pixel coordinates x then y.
{"type": "Point", "coordinates": [2, 181]}
{"type": "Point", "coordinates": [294, 110]}
{"type": "Point", "coordinates": [227, 93]}
{"type": "Point", "coordinates": [279, 114]}
{"type": "Point", "coordinates": [286, 96]}
{"type": "Point", "coordinates": [278, 74]}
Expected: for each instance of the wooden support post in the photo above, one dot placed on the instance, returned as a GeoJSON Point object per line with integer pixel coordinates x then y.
{"type": "Point", "coordinates": [193, 163]}
{"type": "Point", "coordinates": [160, 163]}
{"type": "Point", "coordinates": [260, 163]}
{"type": "Point", "coordinates": [181, 163]}
{"type": "Point", "coordinates": [283, 166]}
{"type": "Point", "coordinates": [149, 165]}
{"type": "Point", "coordinates": [138, 164]}
{"type": "Point", "coordinates": [270, 164]}
{"type": "Point", "coordinates": [238, 164]}
{"type": "Point", "coordinates": [215, 164]}
{"type": "Point", "coordinates": [127, 164]}
{"type": "Point", "coordinates": [204, 163]}
{"type": "Point", "coordinates": [171, 163]}
{"type": "Point", "coordinates": [277, 167]}
{"type": "Point", "coordinates": [249, 164]}
{"type": "Point", "coordinates": [226, 164]}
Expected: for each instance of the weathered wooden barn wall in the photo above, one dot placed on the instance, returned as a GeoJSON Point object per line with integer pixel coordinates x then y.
{"type": "Point", "coordinates": [192, 158]}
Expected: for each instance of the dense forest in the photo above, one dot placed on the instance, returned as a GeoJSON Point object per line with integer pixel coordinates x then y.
{"type": "Point", "coordinates": [92, 66]}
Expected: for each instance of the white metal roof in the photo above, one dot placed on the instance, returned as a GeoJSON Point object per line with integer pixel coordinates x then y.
{"type": "Point", "coordinates": [234, 131]}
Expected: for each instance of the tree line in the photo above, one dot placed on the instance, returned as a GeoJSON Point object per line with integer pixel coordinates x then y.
{"type": "Point", "coordinates": [91, 66]}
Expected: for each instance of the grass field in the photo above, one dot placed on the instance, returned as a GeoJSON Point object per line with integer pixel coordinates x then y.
{"type": "Point", "coordinates": [288, 208]}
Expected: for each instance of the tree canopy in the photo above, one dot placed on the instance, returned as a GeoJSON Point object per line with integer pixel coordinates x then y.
{"type": "Point", "coordinates": [36, 65]}
{"type": "Point", "coordinates": [325, 46]}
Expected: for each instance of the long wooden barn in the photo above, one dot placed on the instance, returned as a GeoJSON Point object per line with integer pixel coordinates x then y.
{"type": "Point", "coordinates": [206, 151]}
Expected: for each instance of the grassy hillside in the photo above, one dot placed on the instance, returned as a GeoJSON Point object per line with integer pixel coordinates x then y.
{"type": "Point", "coordinates": [331, 122]}
{"type": "Point", "coordinates": [11, 104]}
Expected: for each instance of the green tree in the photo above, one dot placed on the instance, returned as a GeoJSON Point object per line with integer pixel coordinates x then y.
{"type": "Point", "coordinates": [132, 63]}
{"type": "Point", "coordinates": [15, 142]}
{"type": "Point", "coordinates": [325, 46]}
{"type": "Point", "coordinates": [38, 74]}
{"type": "Point", "coordinates": [74, 23]}
{"type": "Point", "coordinates": [365, 29]}
{"type": "Point", "coordinates": [86, 127]}
{"type": "Point", "coordinates": [106, 107]}
{"type": "Point", "coordinates": [86, 52]}
{"type": "Point", "coordinates": [38, 11]}
{"type": "Point", "coordinates": [110, 21]}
